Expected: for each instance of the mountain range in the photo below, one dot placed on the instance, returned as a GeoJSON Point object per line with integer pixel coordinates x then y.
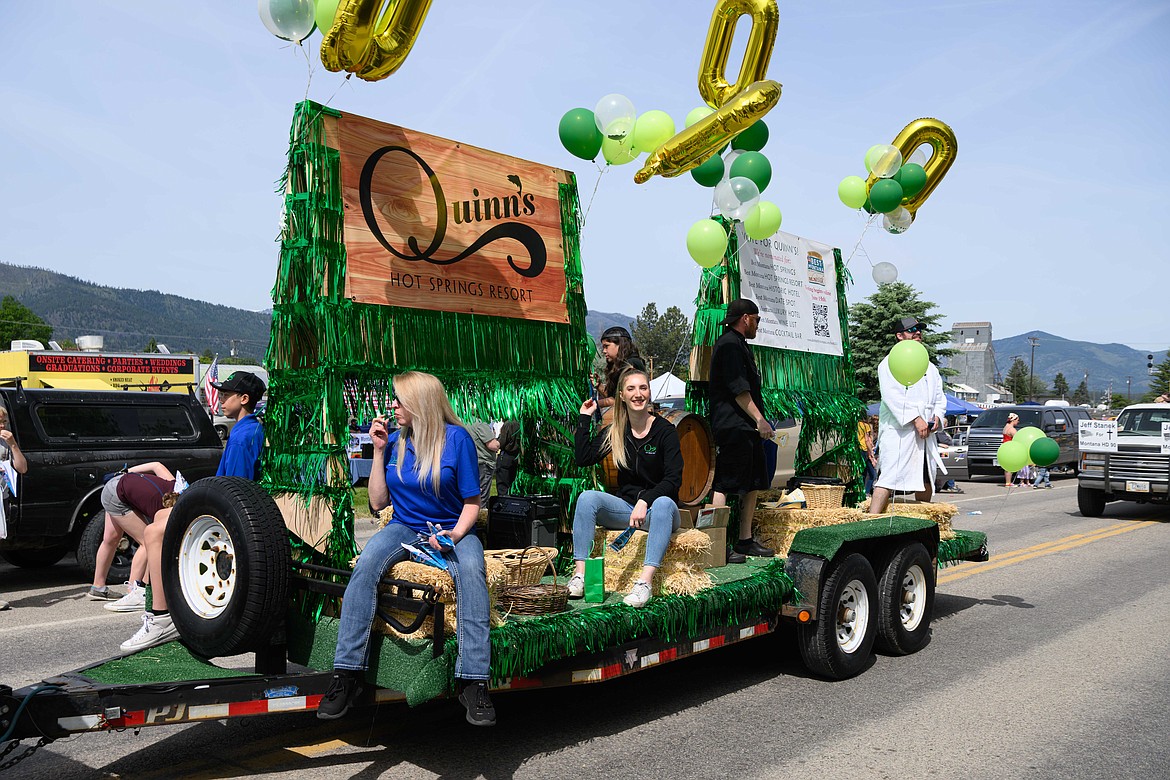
{"type": "Point", "coordinates": [128, 319]}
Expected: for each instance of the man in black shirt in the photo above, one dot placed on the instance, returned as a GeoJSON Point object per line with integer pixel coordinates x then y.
{"type": "Point", "coordinates": [738, 423]}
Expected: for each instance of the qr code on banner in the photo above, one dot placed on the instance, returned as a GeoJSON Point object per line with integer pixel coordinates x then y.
{"type": "Point", "coordinates": [821, 320]}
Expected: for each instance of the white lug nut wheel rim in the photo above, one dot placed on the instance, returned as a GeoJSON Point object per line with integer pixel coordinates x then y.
{"type": "Point", "coordinates": [912, 604]}
{"type": "Point", "coordinates": [852, 616]}
{"type": "Point", "coordinates": [207, 567]}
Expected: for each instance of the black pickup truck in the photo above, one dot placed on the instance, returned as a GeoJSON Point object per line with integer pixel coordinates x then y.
{"type": "Point", "coordinates": [72, 439]}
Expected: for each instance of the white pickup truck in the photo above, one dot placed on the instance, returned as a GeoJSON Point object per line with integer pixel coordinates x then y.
{"type": "Point", "coordinates": [1139, 470]}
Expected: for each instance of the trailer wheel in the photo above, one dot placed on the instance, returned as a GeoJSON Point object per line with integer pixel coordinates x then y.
{"type": "Point", "coordinates": [839, 643]}
{"type": "Point", "coordinates": [225, 566]}
{"type": "Point", "coordinates": [905, 601]}
{"type": "Point", "coordinates": [1091, 502]}
{"type": "Point", "coordinates": [91, 540]}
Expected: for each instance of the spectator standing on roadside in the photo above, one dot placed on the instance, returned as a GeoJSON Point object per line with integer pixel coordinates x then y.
{"type": "Point", "coordinates": [12, 462]}
{"type": "Point", "coordinates": [738, 423]}
{"type": "Point", "coordinates": [1009, 432]}
{"type": "Point", "coordinates": [238, 396]}
{"type": "Point", "coordinates": [865, 439]}
{"type": "Point", "coordinates": [1042, 476]}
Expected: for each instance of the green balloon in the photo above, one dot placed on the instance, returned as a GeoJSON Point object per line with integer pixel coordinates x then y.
{"type": "Point", "coordinates": [619, 151]}
{"type": "Point", "coordinates": [1044, 451]}
{"type": "Point", "coordinates": [709, 173]}
{"type": "Point", "coordinates": [868, 206]}
{"type": "Point", "coordinates": [754, 166]}
{"type": "Point", "coordinates": [851, 191]}
{"type": "Point", "coordinates": [872, 155]}
{"type": "Point", "coordinates": [695, 114]}
{"type": "Point", "coordinates": [1011, 455]}
{"type": "Point", "coordinates": [1028, 435]}
{"type": "Point", "coordinates": [752, 139]}
{"type": "Point", "coordinates": [908, 361]}
{"type": "Point", "coordinates": [885, 195]}
{"type": "Point", "coordinates": [912, 177]}
{"type": "Point", "coordinates": [579, 133]}
{"type": "Point", "coordinates": [323, 13]}
{"type": "Point", "coordinates": [652, 129]}
{"type": "Point", "coordinates": [706, 242]}
{"type": "Point", "coordinates": [762, 221]}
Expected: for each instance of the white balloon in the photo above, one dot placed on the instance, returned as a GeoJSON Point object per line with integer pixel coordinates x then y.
{"type": "Point", "coordinates": [897, 221]}
{"type": "Point", "coordinates": [889, 162]}
{"type": "Point", "coordinates": [728, 159]}
{"type": "Point", "coordinates": [885, 273]}
{"type": "Point", "coordinates": [919, 156]}
{"type": "Point", "coordinates": [736, 197]}
{"type": "Point", "coordinates": [290, 20]}
{"type": "Point", "coordinates": [615, 116]}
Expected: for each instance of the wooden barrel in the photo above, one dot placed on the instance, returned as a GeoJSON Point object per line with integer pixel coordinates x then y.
{"type": "Point", "coordinates": [698, 452]}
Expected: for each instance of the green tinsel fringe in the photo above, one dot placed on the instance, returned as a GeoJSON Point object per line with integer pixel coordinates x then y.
{"type": "Point", "coordinates": [951, 551]}
{"type": "Point", "coordinates": [521, 647]}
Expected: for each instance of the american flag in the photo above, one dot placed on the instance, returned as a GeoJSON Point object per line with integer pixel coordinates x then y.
{"type": "Point", "coordinates": [210, 393]}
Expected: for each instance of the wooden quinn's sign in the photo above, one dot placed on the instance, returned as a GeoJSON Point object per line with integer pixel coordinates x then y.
{"type": "Point", "coordinates": [438, 225]}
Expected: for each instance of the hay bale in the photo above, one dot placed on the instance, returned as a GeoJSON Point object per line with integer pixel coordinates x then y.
{"type": "Point", "coordinates": [940, 512]}
{"type": "Point", "coordinates": [776, 528]}
{"type": "Point", "coordinates": [444, 586]}
{"type": "Point", "coordinates": [681, 572]}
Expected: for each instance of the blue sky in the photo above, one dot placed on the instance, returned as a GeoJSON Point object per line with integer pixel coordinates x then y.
{"type": "Point", "coordinates": [143, 141]}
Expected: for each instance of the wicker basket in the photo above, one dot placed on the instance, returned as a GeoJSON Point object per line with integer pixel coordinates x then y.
{"type": "Point", "coordinates": [520, 566]}
{"type": "Point", "coordinates": [823, 496]}
{"type": "Point", "coordinates": [534, 599]}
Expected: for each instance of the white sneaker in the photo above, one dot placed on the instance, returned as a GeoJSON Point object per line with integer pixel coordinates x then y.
{"type": "Point", "coordinates": [576, 586]}
{"type": "Point", "coordinates": [638, 595]}
{"type": "Point", "coordinates": [133, 601]}
{"type": "Point", "coordinates": [156, 629]}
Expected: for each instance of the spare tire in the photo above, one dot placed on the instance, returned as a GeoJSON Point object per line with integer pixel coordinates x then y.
{"type": "Point", "coordinates": [225, 562]}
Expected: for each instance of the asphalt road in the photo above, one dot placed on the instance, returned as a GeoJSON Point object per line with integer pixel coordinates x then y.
{"type": "Point", "coordinates": [1052, 660]}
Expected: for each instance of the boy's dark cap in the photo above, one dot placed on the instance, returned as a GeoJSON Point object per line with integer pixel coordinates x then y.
{"type": "Point", "coordinates": [906, 323]}
{"type": "Point", "coordinates": [738, 308]}
{"type": "Point", "coordinates": [242, 382]}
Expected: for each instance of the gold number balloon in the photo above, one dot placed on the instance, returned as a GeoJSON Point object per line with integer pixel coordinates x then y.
{"type": "Point", "coordinates": [369, 43]}
{"type": "Point", "coordinates": [942, 140]}
{"type": "Point", "coordinates": [704, 138]}
{"type": "Point", "coordinates": [736, 105]}
{"type": "Point", "coordinates": [713, 85]}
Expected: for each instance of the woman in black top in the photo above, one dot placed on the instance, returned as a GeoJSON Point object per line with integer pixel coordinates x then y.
{"type": "Point", "coordinates": [649, 460]}
{"type": "Point", "coordinates": [620, 353]}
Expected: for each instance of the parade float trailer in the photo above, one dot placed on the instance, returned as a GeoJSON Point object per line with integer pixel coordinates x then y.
{"type": "Point", "coordinates": [406, 251]}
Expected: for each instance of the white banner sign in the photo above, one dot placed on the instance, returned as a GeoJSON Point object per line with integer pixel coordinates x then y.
{"type": "Point", "coordinates": [1166, 438]}
{"type": "Point", "coordinates": [1098, 435]}
{"type": "Point", "coordinates": [794, 282]}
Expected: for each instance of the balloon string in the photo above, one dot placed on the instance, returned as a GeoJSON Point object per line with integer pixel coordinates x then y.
{"type": "Point", "coordinates": [600, 172]}
{"type": "Point", "coordinates": [868, 222]}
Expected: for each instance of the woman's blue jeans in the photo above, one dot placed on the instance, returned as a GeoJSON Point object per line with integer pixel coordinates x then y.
{"type": "Point", "coordinates": [595, 508]}
{"type": "Point", "coordinates": [471, 600]}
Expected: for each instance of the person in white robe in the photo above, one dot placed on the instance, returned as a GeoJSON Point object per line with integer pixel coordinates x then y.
{"type": "Point", "coordinates": [907, 451]}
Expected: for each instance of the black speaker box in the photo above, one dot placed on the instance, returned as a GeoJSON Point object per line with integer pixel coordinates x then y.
{"type": "Point", "coordinates": [522, 521]}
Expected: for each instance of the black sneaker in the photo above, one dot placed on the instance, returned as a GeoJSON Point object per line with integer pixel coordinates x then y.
{"type": "Point", "coordinates": [734, 557]}
{"type": "Point", "coordinates": [480, 711]}
{"type": "Point", "coordinates": [754, 548]}
{"type": "Point", "coordinates": [343, 689]}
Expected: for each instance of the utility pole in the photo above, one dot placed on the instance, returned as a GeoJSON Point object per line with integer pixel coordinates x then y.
{"type": "Point", "coordinates": [1033, 340]}
{"type": "Point", "coordinates": [1128, 394]}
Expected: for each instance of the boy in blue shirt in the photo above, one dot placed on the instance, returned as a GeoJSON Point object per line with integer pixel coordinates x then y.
{"type": "Point", "coordinates": [238, 396]}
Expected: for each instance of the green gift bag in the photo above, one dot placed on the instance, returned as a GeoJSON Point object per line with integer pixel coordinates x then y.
{"type": "Point", "coordinates": [595, 579]}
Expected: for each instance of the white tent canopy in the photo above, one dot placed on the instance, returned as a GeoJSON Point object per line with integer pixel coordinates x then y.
{"type": "Point", "coordinates": [666, 386]}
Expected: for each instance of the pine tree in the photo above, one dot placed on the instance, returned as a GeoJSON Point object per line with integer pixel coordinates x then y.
{"type": "Point", "coordinates": [664, 339]}
{"type": "Point", "coordinates": [17, 321]}
{"type": "Point", "coordinates": [1060, 385]}
{"type": "Point", "coordinates": [1017, 380]}
{"type": "Point", "coordinates": [1081, 394]}
{"type": "Point", "coordinates": [1159, 381]}
{"type": "Point", "coordinates": [871, 335]}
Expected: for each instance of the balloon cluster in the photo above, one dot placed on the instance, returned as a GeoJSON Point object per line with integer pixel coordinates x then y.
{"type": "Point", "coordinates": [893, 182]}
{"type": "Point", "coordinates": [901, 175]}
{"type": "Point", "coordinates": [365, 37]}
{"type": "Point", "coordinates": [614, 129]}
{"type": "Point", "coordinates": [1030, 445]}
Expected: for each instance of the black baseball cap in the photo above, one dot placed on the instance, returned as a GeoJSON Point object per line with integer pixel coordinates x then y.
{"type": "Point", "coordinates": [738, 308]}
{"type": "Point", "coordinates": [906, 323]}
{"type": "Point", "coordinates": [244, 383]}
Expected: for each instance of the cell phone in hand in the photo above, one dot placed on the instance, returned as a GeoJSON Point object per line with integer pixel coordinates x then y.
{"type": "Point", "coordinates": [623, 539]}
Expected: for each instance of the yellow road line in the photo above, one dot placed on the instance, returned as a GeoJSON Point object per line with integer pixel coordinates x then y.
{"type": "Point", "coordinates": [1040, 550]}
